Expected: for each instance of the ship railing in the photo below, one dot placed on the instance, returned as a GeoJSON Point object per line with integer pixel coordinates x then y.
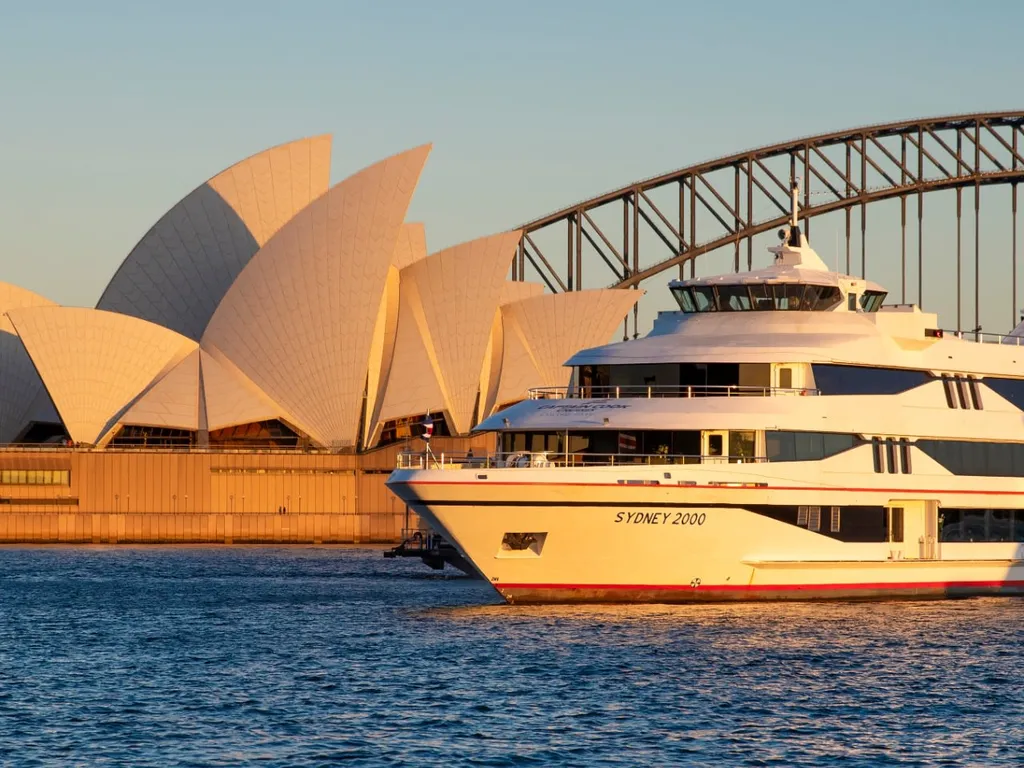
{"type": "Point", "coordinates": [986, 338]}
{"type": "Point", "coordinates": [663, 390]}
{"type": "Point", "coordinates": [555, 459]}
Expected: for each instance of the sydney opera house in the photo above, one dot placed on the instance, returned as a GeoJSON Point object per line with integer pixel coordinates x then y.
{"type": "Point", "coordinates": [262, 354]}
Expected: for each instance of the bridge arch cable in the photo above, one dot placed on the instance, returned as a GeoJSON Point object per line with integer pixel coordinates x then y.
{"type": "Point", "coordinates": [671, 220]}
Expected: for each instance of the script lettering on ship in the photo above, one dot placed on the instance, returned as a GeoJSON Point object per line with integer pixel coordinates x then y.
{"type": "Point", "coordinates": [583, 407]}
{"type": "Point", "coordinates": [661, 518]}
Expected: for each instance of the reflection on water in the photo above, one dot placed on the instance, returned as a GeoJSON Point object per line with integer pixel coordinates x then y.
{"type": "Point", "coordinates": [315, 656]}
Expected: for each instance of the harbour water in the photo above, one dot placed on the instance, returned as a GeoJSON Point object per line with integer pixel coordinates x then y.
{"type": "Point", "coordinates": [317, 656]}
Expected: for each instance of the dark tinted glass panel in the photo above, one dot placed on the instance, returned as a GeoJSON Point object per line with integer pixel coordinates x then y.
{"type": "Point", "coordinates": [861, 380]}
{"type": "Point", "coordinates": [871, 301]}
{"type": "Point", "coordinates": [860, 524]}
{"type": "Point", "coordinates": [828, 297]}
{"type": "Point", "coordinates": [981, 525]}
{"type": "Point", "coordinates": [704, 298]}
{"type": "Point", "coordinates": [1011, 389]}
{"type": "Point", "coordinates": [789, 297]}
{"type": "Point", "coordinates": [981, 459]}
{"type": "Point", "coordinates": [806, 446]}
{"type": "Point", "coordinates": [763, 296]}
{"type": "Point", "coordinates": [733, 298]}
{"type": "Point", "coordinates": [685, 299]}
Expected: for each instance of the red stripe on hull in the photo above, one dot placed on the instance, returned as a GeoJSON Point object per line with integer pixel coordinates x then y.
{"type": "Point", "coordinates": [684, 593]}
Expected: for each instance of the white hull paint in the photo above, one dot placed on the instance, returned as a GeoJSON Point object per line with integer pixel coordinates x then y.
{"type": "Point", "coordinates": [612, 542]}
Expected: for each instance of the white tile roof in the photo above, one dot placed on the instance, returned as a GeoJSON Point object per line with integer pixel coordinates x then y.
{"type": "Point", "coordinates": [182, 267]}
{"type": "Point", "coordinates": [299, 319]}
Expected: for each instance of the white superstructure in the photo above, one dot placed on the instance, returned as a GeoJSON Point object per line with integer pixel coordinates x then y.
{"type": "Point", "coordinates": [783, 436]}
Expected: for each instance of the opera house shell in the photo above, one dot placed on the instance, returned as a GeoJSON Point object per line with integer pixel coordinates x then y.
{"type": "Point", "coordinates": [270, 309]}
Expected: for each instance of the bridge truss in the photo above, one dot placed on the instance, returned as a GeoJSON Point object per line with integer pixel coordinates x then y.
{"type": "Point", "coordinates": [668, 221]}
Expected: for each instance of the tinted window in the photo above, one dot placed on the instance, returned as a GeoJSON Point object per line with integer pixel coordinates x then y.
{"type": "Point", "coordinates": [1011, 389]}
{"type": "Point", "coordinates": [977, 525]}
{"type": "Point", "coordinates": [806, 446]}
{"type": "Point", "coordinates": [871, 301]}
{"type": "Point", "coordinates": [734, 298]}
{"type": "Point", "coordinates": [704, 298]}
{"type": "Point", "coordinates": [861, 380]}
{"type": "Point", "coordinates": [962, 457]}
{"type": "Point", "coordinates": [685, 299]}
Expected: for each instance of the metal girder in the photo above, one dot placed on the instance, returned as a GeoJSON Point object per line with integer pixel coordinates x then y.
{"type": "Point", "coordinates": [891, 160]}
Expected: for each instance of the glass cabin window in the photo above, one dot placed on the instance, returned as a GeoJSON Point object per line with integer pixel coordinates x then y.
{"type": "Point", "coordinates": [871, 301]}
{"type": "Point", "coordinates": [757, 296]}
{"type": "Point", "coordinates": [734, 298]}
{"type": "Point", "coordinates": [704, 298]}
{"type": "Point", "coordinates": [685, 299]}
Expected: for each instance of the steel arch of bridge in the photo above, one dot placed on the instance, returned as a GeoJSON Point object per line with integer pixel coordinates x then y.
{"type": "Point", "coordinates": [730, 200]}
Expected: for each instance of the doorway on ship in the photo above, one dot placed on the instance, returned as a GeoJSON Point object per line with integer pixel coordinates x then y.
{"type": "Point", "coordinates": [714, 446]}
{"type": "Point", "coordinates": [913, 529]}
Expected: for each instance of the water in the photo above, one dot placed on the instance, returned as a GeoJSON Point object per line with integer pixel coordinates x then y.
{"type": "Point", "coordinates": [297, 657]}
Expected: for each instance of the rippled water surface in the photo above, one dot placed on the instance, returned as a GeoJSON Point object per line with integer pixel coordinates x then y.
{"type": "Point", "coordinates": [320, 656]}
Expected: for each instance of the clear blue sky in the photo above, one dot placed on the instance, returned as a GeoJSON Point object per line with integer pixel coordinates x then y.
{"type": "Point", "coordinates": [110, 114]}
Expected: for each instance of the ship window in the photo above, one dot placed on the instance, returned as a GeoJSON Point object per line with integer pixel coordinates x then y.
{"type": "Point", "coordinates": [704, 298]}
{"type": "Point", "coordinates": [734, 298]}
{"type": "Point", "coordinates": [981, 525]}
{"type": "Point", "coordinates": [890, 455]}
{"type": "Point", "coordinates": [785, 378]}
{"type": "Point", "coordinates": [763, 296]}
{"type": "Point", "coordinates": [871, 301]}
{"type": "Point", "coordinates": [685, 299]}
{"type": "Point", "coordinates": [863, 380]}
{"type": "Point", "coordinates": [962, 457]}
{"type": "Point", "coordinates": [789, 296]}
{"type": "Point", "coordinates": [834, 520]}
{"type": "Point", "coordinates": [757, 296]}
{"type": "Point", "coordinates": [806, 446]}
{"type": "Point", "coordinates": [1011, 389]}
{"type": "Point", "coordinates": [851, 302]}
{"type": "Point", "coordinates": [896, 524]}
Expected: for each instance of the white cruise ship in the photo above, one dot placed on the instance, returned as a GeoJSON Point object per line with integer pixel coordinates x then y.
{"type": "Point", "coordinates": [784, 436]}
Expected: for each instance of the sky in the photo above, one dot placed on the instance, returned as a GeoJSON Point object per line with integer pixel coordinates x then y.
{"type": "Point", "coordinates": [111, 113]}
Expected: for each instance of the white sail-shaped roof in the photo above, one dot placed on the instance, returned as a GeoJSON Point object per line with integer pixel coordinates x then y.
{"type": "Point", "coordinates": [181, 269]}
{"type": "Point", "coordinates": [411, 245]}
{"type": "Point", "coordinates": [542, 332]}
{"type": "Point", "coordinates": [412, 384]}
{"type": "Point", "coordinates": [230, 398]}
{"type": "Point", "coordinates": [95, 363]}
{"type": "Point", "coordinates": [299, 319]}
{"type": "Point", "coordinates": [171, 401]}
{"type": "Point", "coordinates": [517, 290]}
{"type": "Point", "coordinates": [451, 297]}
{"type": "Point", "coordinates": [19, 382]}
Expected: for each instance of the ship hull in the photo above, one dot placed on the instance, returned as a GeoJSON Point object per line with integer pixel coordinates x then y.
{"type": "Point", "coordinates": [578, 544]}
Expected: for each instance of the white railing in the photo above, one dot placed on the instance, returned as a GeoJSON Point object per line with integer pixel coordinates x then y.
{"type": "Point", "coordinates": [986, 338]}
{"type": "Point", "coordinates": [663, 390]}
{"type": "Point", "coordinates": [552, 459]}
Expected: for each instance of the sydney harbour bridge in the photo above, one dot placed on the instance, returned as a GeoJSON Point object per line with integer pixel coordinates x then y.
{"type": "Point", "coordinates": [667, 223]}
